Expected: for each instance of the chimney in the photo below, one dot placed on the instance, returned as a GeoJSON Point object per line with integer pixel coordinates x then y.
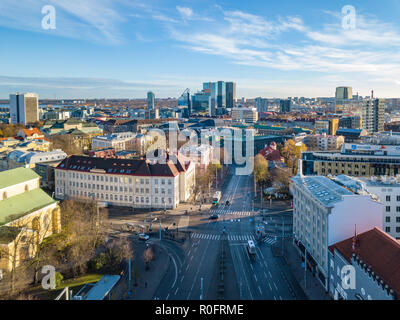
{"type": "Point", "coordinates": [372, 94]}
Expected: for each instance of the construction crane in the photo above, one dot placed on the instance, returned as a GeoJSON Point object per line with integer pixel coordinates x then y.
{"type": "Point", "coordinates": [186, 100]}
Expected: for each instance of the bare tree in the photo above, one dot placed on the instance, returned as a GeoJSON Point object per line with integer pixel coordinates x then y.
{"type": "Point", "coordinates": [148, 256]}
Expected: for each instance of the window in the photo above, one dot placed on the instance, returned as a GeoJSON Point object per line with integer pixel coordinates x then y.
{"type": "Point", "coordinates": [387, 219]}
{"type": "Point", "coordinates": [398, 198]}
{"type": "Point", "coordinates": [387, 229]}
{"type": "Point", "coordinates": [387, 208]}
{"type": "Point", "coordinates": [387, 198]}
{"type": "Point", "coordinates": [397, 209]}
{"type": "Point", "coordinates": [397, 229]}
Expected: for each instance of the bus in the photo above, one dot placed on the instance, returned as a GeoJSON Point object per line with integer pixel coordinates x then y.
{"type": "Point", "coordinates": [216, 198]}
{"type": "Point", "coordinates": [251, 249]}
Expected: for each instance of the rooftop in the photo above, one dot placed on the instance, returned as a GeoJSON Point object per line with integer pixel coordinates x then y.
{"type": "Point", "coordinates": [121, 166]}
{"type": "Point", "coordinates": [322, 189]}
{"type": "Point", "coordinates": [379, 251]}
{"type": "Point", "coordinates": [22, 204]}
{"type": "Point", "coordinates": [15, 176]}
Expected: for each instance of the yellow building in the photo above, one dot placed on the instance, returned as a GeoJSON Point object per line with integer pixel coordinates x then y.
{"type": "Point", "coordinates": [27, 216]}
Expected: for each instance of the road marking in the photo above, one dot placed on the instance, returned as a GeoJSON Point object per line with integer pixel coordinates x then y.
{"type": "Point", "coordinates": [255, 278]}
{"type": "Point", "coordinates": [275, 286]}
{"type": "Point", "coordinates": [176, 270]}
{"type": "Point", "coordinates": [265, 275]}
{"type": "Point", "coordinates": [182, 278]}
{"type": "Point", "coordinates": [270, 274]}
{"type": "Point", "coordinates": [176, 290]}
{"type": "Point", "coordinates": [187, 267]}
{"type": "Point", "coordinates": [274, 297]}
{"type": "Point", "coordinates": [270, 286]}
{"type": "Point", "coordinates": [259, 289]}
{"type": "Point", "coordinates": [167, 297]}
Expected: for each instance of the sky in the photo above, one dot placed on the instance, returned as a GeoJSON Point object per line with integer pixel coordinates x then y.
{"type": "Point", "coordinates": [124, 48]}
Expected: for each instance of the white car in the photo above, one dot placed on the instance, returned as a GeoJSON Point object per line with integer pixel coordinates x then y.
{"type": "Point", "coordinates": [143, 236]}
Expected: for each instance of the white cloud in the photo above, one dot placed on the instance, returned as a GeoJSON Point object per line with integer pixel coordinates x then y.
{"type": "Point", "coordinates": [93, 20]}
{"type": "Point", "coordinates": [185, 12]}
{"type": "Point", "coordinates": [247, 39]}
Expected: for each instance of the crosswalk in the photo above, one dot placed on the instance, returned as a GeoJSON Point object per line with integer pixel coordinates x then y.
{"type": "Point", "coordinates": [232, 237]}
{"type": "Point", "coordinates": [224, 211]}
{"type": "Point", "coordinates": [205, 236]}
{"type": "Point", "coordinates": [269, 240]}
{"type": "Point", "coordinates": [240, 237]}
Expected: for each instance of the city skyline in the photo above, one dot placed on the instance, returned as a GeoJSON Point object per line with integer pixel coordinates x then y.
{"type": "Point", "coordinates": [123, 49]}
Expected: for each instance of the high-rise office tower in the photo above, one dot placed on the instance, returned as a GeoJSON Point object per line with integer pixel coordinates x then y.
{"type": "Point", "coordinates": [343, 96]}
{"type": "Point", "coordinates": [286, 105]}
{"type": "Point", "coordinates": [230, 94]}
{"type": "Point", "coordinates": [373, 115]}
{"type": "Point", "coordinates": [150, 100]}
{"type": "Point", "coordinates": [24, 108]}
{"type": "Point", "coordinates": [220, 93]}
{"type": "Point", "coordinates": [344, 93]}
{"type": "Point", "coordinates": [261, 104]}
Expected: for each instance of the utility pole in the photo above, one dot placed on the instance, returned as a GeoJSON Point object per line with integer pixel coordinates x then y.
{"type": "Point", "coordinates": [151, 217]}
{"type": "Point", "coordinates": [201, 289]}
{"type": "Point", "coordinates": [305, 266]}
{"type": "Point", "coordinates": [283, 232]}
{"type": "Point", "coordinates": [130, 271]}
{"type": "Point", "coordinates": [160, 230]}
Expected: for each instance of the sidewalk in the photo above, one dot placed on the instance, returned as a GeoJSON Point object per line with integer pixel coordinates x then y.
{"type": "Point", "coordinates": [314, 289]}
{"type": "Point", "coordinates": [153, 276]}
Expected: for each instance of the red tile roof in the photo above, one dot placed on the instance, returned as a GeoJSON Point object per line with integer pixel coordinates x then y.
{"type": "Point", "coordinates": [30, 132]}
{"type": "Point", "coordinates": [378, 250]}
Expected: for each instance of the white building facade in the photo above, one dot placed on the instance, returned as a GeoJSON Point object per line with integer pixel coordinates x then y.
{"type": "Point", "coordinates": [325, 213]}
{"type": "Point", "coordinates": [125, 182]}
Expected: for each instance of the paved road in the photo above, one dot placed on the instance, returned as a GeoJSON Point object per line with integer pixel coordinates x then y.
{"type": "Point", "coordinates": [190, 274]}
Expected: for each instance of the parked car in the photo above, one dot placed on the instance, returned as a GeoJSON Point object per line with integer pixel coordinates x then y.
{"type": "Point", "coordinates": [143, 236]}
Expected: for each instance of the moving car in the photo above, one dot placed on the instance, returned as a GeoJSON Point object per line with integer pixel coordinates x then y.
{"type": "Point", "coordinates": [227, 203]}
{"type": "Point", "coordinates": [213, 217]}
{"type": "Point", "coordinates": [251, 249]}
{"type": "Point", "coordinates": [143, 236]}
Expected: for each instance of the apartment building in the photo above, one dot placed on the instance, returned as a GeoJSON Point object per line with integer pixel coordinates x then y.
{"type": "Point", "coordinates": [117, 141]}
{"type": "Point", "coordinates": [376, 272]}
{"type": "Point", "coordinates": [354, 160]}
{"type": "Point", "coordinates": [243, 114]}
{"type": "Point", "coordinates": [384, 189]}
{"type": "Point", "coordinates": [323, 142]}
{"type": "Point", "coordinates": [201, 155]}
{"type": "Point", "coordinates": [325, 213]}
{"type": "Point", "coordinates": [125, 182]}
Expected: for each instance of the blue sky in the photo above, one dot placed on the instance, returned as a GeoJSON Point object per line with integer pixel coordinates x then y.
{"type": "Point", "coordinates": [123, 48]}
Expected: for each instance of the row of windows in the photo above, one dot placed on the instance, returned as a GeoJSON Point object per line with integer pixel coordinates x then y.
{"type": "Point", "coordinates": [116, 188]}
{"type": "Point", "coordinates": [388, 198]}
{"type": "Point", "coordinates": [89, 177]}
{"type": "Point", "coordinates": [387, 229]}
{"type": "Point", "coordinates": [387, 219]}
{"type": "Point", "coordinates": [121, 198]}
{"type": "Point", "coordinates": [388, 209]}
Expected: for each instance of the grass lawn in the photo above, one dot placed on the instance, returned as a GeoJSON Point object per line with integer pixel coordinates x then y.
{"type": "Point", "coordinates": [74, 284]}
